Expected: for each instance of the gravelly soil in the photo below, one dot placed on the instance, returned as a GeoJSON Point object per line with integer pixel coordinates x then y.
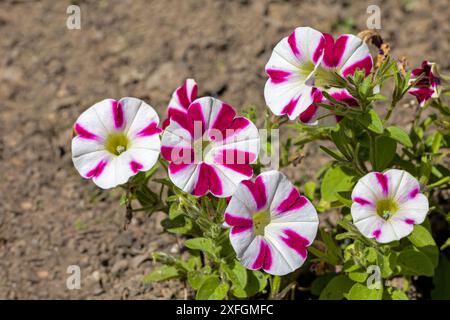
{"type": "Point", "coordinates": [49, 217]}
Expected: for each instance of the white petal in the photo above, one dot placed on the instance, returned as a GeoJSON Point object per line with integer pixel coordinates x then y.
{"type": "Point", "coordinates": [184, 177]}
{"type": "Point", "coordinates": [138, 115]}
{"type": "Point", "coordinates": [402, 185]}
{"type": "Point", "coordinates": [86, 163]}
{"type": "Point", "coordinates": [369, 188]}
{"type": "Point", "coordinates": [288, 246]}
{"type": "Point", "coordinates": [90, 120]}
{"type": "Point", "coordinates": [415, 209]}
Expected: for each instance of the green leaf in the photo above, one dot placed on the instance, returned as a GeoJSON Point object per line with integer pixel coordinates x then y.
{"type": "Point", "coordinates": [372, 121]}
{"type": "Point", "coordinates": [175, 210]}
{"type": "Point", "coordinates": [196, 279]}
{"type": "Point", "coordinates": [385, 152]}
{"type": "Point", "coordinates": [236, 273]}
{"type": "Point", "coordinates": [256, 282]}
{"type": "Point", "coordinates": [320, 283]}
{"type": "Point", "coordinates": [163, 273]}
{"type": "Point", "coordinates": [180, 225]}
{"type": "Point", "coordinates": [202, 244]}
{"type": "Point", "coordinates": [441, 280]}
{"type": "Point", "coordinates": [399, 135]}
{"type": "Point", "coordinates": [415, 262]}
{"type": "Point", "coordinates": [336, 288]}
{"type": "Point", "coordinates": [361, 292]}
{"type": "Point", "coordinates": [310, 189]}
{"type": "Point", "coordinates": [446, 244]}
{"type": "Point", "coordinates": [212, 289]}
{"type": "Point", "coordinates": [422, 239]}
{"type": "Point", "coordinates": [358, 276]}
{"type": "Point", "coordinates": [399, 295]}
{"type": "Point", "coordinates": [334, 181]}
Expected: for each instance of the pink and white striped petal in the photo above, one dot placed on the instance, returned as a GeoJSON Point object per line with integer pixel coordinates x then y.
{"type": "Point", "coordinates": [359, 59]}
{"type": "Point", "coordinates": [182, 97]}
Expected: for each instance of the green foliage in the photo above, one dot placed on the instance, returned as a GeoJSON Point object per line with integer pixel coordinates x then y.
{"type": "Point", "coordinates": [342, 262]}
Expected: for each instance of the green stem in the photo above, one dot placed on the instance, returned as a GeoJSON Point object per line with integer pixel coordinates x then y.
{"type": "Point", "coordinates": [373, 151]}
{"type": "Point", "coordinates": [275, 286]}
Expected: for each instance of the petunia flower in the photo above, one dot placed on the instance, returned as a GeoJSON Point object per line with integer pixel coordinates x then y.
{"type": "Point", "coordinates": [387, 205]}
{"type": "Point", "coordinates": [304, 61]}
{"type": "Point", "coordinates": [181, 99]}
{"type": "Point", "coordinates": [114, 140]}
{"type": "Point", "coordinates": [271, 224]}
{"type": "Point", "coordinates": [209, 148]}
{"type": "Point", "coordinates": [427, 87]}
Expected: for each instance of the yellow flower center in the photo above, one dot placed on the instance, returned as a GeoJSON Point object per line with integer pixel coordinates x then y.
{"type": "Point", "coordinates": [386, 208]}
{"type": "Point", "coordinates": [116, 143]}
{"type": "Point", "coordinates": [260, 220]}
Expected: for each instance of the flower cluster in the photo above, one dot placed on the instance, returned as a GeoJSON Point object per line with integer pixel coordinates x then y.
{"type": "Point", "coordinates": [212, 152]}
{"type": "Point", "coordinates": [302, 66]}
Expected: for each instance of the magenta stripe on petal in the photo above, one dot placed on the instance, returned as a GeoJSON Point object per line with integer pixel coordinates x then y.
{"type": "Point", "coordinates": [259, 261]}
{"type": "Point", "coordinates": [196, 116]}
{"type": "Point", "coordinates": [383, 181]}
{"type": "Point", "coordinates": [244, 169]}
{"type": "Point", "coordinates": [234, 156]}
{"type": "Point", "coordinates": [293, 44]}
{"type": "Point", "coordinates": [178, 155]}
{"type": "Point", "coordinates": [258, 191]}
{"type": "Point", "coordinates": [174, 168]}
{"type": "Point", "coordinates": [413, 193]}
{"type": "Point", "coordinates": [135, 166]}
{"type": "Point", "coordinates": [319, 50]}
{"type": "Point", "coordinates": [277, 76]}
{"type": "Point", "coordinates": [334, 50]}
{"type": "Point", "coordinates": [184, 122]}
{"type": "Point", "coordinates": [237, 230]}
{"type": "Point", "coordinates": [235, 221]}
{"type": "Point", "coordinates": [409, 221]}
{"type": "Point", "coordinates": [85, 134]}
{"type": "Point", "coordinates": [362, 201]}
{"type": "Point", "coordinates": [208, 179]}
{"type": "Point", "coordinates": [377, 233]}
{"type": "Point", "coordinates": [149, 130]}
{"type": "Point", "coordinates": [224, 117]}
{"type": "Point", "coordinates": [364, 64]}
{"type": "Point", "coordinates": [97, 170]}
{"type": "Point", "coordinates": [268, 258]}
{"type": "Point", "coordinates": [183, 95]}
{"type": "Point", "coordinates": [292, 202]}
{"type": "Point", "coordinates": [307, 115]}
{"type": "Point", "coordinates": [296, 242]}
{"type": "Point", "coordinates": [290, 107]}
{"type": "Point", "coordinates": [238, 124]}
{"type": "Point", "coordinates": [117, 111]}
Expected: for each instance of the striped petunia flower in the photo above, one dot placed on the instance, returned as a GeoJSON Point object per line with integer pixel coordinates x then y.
{"type": "Point", "coordinates": [387, 205]}
{"type": "Point", "coordinates": [181, 99]}
{"type": "Point", "coordinates": [209, 148]}
{"type": "Point", "coordinates": [271, 224]}
{"type": "Point", "coordinates": [304, 61]}
{"type": "Point", "coordinates": [427, 87]}
{"type": "Point", "coordinates": [114, 140]}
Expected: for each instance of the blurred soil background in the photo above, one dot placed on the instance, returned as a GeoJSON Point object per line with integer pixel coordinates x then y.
{"type": "Point", "coordinates": [51, 218]}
